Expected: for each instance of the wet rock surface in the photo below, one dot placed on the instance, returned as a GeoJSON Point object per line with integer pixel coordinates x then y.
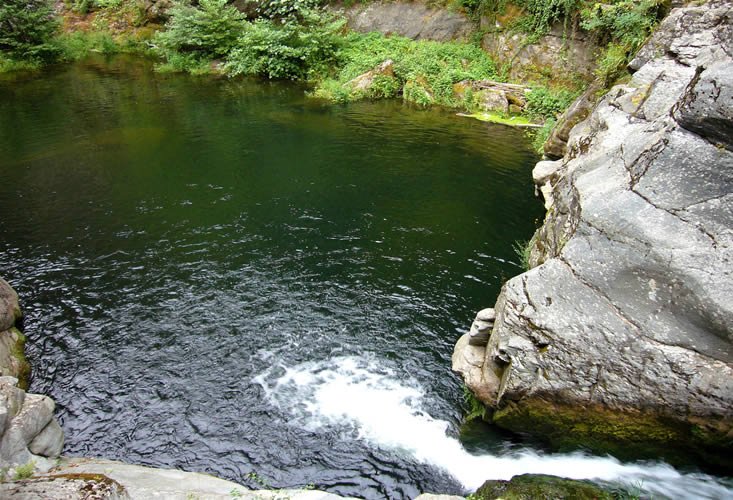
{"type": "Point", "coordinates": [629, 308]}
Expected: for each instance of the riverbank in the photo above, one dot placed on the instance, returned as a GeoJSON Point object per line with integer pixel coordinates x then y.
{"type": "Point", "coordinates": [454, 61]}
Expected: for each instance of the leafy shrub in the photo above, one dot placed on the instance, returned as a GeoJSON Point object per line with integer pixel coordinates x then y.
{"type": "Point", "coordinates": [625, 22]}
{"type": "Point", "coordinates": [210, 30]}
{"type": "Point", "coordinates": [425, 71]}
{"type": "Point", "coordinates": [540, 136]}
{"type": "Point", "coordinates": [27, 28]}
{"type": "Point", "coordinates": [612, 62]}
{"type": "Point", "coordinates": [544, 103]}
{"type": "Point", "coordinates": [624, 26]}
{"type": "Point", "coordinates": [543, 13]}
{"type": "Point", "coordinates": [287, 49]}
{"type": "Point", "coordinates": [286, 9]}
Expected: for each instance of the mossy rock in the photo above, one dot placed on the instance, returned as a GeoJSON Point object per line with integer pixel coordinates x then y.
{"type": "Point", "coordinates": [624, 434]}
{"type": "Point", "coordinates": [12, 357]}
{"type": "Point", "coordinates": [539, 487]}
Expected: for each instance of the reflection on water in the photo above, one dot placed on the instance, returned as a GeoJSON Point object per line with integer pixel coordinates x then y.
{"type": "Point", "coordinates": [227, 277]}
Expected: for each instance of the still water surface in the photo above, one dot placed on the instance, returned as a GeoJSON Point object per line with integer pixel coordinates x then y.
{"type": "Point", "coordinates": [226, 276]}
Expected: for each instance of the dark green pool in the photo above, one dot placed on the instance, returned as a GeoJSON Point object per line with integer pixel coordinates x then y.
{"type": "Point", "coordinates": [227, 276]}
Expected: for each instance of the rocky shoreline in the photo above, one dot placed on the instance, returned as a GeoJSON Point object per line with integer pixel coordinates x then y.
{"type": "Point", "coordinates": [619, 337]}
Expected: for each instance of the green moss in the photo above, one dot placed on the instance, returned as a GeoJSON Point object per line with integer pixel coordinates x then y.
{"type": "Point", "coordinates": [625, 434]}
{"type": "Point", "coordinates": [18, 352]}
{"type": "Point", "coordinates": [539, 486]}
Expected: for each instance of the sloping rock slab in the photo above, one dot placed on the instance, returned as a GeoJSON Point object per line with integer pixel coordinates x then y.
{"type": "Point", "coordinates": [143, 483]}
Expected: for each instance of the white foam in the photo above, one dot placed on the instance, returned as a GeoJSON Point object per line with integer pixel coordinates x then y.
{"type": "Point", "coordinates": [365, 397]}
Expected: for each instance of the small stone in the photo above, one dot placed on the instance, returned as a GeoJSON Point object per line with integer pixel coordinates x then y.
{"type": "Point", "coordinates": [488, 314]}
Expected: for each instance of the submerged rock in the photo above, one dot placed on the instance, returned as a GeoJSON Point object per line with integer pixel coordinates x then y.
{"type": "Point", "coordinates": [619, 338]}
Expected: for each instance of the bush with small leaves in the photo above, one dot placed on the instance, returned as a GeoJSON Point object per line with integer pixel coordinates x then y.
{"type": "Point", "coordinates": [27, 28]}
{"type": "Point", "coordinates": [296, 50]}
{"type": "Point", "coordinates": [209, 31]}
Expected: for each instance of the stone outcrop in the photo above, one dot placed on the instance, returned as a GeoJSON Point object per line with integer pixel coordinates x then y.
{"type": "Point", "coordinates": [620, 335]}
{"type": "Point", "coordinates": [563, 54]}
{"type": "Point", "coordinates": [83, 478]}
{"type": "Point", "coordinates": [365, 81]}
{"type": "Point", "coordinates": [555, 146]}
{"type": "Point", "coordinates": [409, 19]}
{"type": "Point", "coordinates": [28, 430]}
{"type": "Point", "coordinates": [12, 358]}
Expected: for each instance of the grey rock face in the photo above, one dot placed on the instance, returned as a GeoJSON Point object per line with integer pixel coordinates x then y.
{"type": "Point", "coordinates": [49, 442]}
{"type": "Point", "coordinates": [411, 20]}
{"type": "Point", "coordinates": [28, 429]}
{"type": "Point", "coordinates": [481, 327]}
{"type": "Point", "coordinates": [565, 54]}
{"type": "Point", "coordinates": [630, 305]}
{"type": "Point", "coordinates": [9, 308]}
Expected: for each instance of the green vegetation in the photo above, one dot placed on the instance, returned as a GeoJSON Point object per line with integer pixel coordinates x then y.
{"type": "Point", "coordinates": [299, 40]}
{"type": "Point", "coordinates": [208, 31]}
{"type": "Point", "coordinates": [296, 49]}
{"type": "Point", "coordinates": [622, 26]}
{"type": "Point", "coordinates": [476, 409]}
{"type": "Point", "coordinates": [424, 71]}
{"type": "Point", "coordinates": [522, 250]}
{"type": "Point", "coordinates": [27, 28]}
{"type": "Point", "coordinates": [25, 471]}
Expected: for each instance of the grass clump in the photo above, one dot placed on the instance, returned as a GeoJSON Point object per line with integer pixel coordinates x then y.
{"type": "Point", "coordinates": [523, 249]}
{"type": "Point", "coordinates": [25, 471]}
{"type": "Point", "coordinates": [424, 72]}
{"type": "Point", "coordinates": [622, 26]}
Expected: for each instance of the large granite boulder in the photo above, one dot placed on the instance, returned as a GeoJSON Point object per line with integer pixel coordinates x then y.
{"type": "Point", "coordinates": [620, 336]}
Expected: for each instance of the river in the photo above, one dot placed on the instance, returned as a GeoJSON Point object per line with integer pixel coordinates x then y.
{"type": "Point", "coordinates": [227, 276]}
